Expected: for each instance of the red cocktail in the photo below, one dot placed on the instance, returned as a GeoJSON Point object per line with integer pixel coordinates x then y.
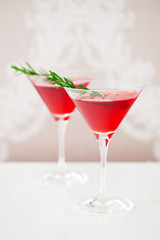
{"type": "Point", "coordinates": [58, 102]}
{"type": "Point", "coordinates": [104, 114]}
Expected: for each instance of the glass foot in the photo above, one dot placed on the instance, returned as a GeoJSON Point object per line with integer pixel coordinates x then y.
{"type": "Point", "coordinates": [64, 178]}
{"type": "Point", "coordinates": [109, 205]}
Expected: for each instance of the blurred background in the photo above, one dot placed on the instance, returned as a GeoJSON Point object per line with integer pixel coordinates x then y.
{"type": "Point", "coordinates": [102, 39]}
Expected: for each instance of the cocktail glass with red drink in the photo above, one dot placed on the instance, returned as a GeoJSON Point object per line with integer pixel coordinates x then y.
{"type": "Point", "coordinates": [104, 110]}
{"type": "Point", "coordinates": [61, 108]}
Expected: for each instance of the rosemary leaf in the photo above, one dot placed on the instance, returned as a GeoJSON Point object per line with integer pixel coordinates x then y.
{"type": "Point", "coordinates": [54, 78]}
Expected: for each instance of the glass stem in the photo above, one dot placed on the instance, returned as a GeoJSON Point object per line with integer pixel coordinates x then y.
{"type": "Point", "coordinates": [103, 147]}
{"type": "Point", "coordinates": [61, 143]}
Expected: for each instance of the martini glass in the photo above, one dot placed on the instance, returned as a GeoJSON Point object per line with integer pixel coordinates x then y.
{"type": "Point", "coordinates": [104, 114]}
{"type": "Point", "coordinates": [61, 108]}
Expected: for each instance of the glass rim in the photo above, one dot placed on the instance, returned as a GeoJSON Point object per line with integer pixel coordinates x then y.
{"type": "Point", "coordinates": [74, 79]}
{"type": "Point", "coordinates": [138, 86]}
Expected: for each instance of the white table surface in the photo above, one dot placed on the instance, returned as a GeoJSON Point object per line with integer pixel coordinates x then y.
{"type": "Point", "coordinates": [30, 211]}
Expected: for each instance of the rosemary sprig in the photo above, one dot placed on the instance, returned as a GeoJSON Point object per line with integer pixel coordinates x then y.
{"type": "Point", "coordinates": [64, 82]}
{"type": "Point", "coordinates": [29, 70]}
{"type": "Point", "coordinates": [54, 78]}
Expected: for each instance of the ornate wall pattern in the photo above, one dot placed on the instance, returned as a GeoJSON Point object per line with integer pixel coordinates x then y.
{"type": "Point", "coordinates": [74, 36]}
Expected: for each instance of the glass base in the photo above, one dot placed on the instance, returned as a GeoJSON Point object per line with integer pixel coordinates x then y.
{"type": "Point", "coordinates": [109, 205]}
{"type": "Point", "coordinates": [64, 178]}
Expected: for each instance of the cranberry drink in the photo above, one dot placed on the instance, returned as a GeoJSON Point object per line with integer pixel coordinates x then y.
{"type": "Point", "coordinates": [104, 114]}
{"type": "Point", "coordinates": [58, 102]}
